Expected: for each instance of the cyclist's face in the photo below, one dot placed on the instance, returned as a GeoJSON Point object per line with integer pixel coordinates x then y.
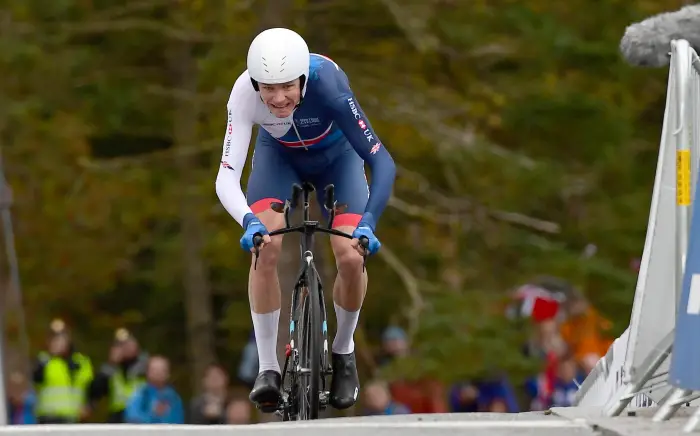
{"type": "Point", "coordinates": [281, 98]}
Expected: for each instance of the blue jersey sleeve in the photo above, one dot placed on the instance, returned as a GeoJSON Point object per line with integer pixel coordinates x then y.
{"type": "Point", "coordinates": [351, 119]}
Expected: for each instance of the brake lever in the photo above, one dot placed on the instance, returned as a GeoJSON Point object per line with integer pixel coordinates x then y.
{"type": "Point", "coordinates": [364, 242]}
{"type": "Point", "coordinates": [257, 240]}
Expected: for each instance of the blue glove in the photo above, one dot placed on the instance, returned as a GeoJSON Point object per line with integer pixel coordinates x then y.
{"type": "Point", "coordinates": [366, 228]}
{"type": "Point", "coordinates": [252, 225]}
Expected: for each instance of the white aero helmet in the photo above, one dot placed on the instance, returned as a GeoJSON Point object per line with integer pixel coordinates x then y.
{"type": "Point", "coordinates": [278, 56]}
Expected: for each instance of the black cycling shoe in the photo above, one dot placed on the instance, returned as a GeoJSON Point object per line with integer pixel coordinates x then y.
{"type": "Point", "coordinates": [266, 393]}
{"type": "Point", "coordinates": [345, 384]}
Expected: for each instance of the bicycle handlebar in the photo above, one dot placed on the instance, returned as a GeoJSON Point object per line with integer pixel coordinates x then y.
{"type": "Point", "coordinates": [308, 226]}
{"type": "Point", "coordinates": [258, 239]}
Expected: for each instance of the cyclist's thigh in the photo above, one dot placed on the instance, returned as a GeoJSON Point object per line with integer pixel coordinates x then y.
{"type": "Point", "coordinates": [347, 174]}
{"type": "Point", "coordinates": [270, 180]}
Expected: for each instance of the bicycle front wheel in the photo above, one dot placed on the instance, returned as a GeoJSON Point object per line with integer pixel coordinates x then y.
{"type": "Point", "coordinates": [309, 349]}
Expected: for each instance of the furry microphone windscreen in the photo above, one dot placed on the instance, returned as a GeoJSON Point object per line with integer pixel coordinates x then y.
{"type": "Point", "coordinates": [648, 43]}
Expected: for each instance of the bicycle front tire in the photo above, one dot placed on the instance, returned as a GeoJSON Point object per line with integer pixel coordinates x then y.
{"type": "Point", "coordinates": [310, 349]}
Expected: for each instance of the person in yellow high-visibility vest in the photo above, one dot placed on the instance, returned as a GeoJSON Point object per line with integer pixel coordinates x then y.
{"type": "Point", "coordinates": [61, 378]}
{"type": "Point", "coordinates": [120, 376]}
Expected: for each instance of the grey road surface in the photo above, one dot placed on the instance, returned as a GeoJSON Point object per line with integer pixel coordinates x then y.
{"type": "Point", "coordinates": [472, 424]}
{"type": "Point", "coordinates": [637, 423]}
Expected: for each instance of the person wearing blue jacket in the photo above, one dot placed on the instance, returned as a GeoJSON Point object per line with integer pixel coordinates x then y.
{"type": "Point", "coordinates": [21, 401]}
{"type": "Point", "coordinates": [156, 402]}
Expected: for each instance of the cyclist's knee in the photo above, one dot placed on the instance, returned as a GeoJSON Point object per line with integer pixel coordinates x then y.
{"type": "Point", "coordinates": [270, 254]}
{"type": "Point", "coordinates": [267, 261]}
{"type": "Point", "coordinates": [347, 259]}
{"type": "Point", "coordinates": [271, 220]}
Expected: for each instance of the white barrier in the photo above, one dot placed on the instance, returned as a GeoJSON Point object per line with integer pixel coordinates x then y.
{"type": "Point", "coordinates": [607, 377]}
{"type": "Point", "coordinates": [638, 363]}
{"type": "Point", "coordinates": [401, 424]}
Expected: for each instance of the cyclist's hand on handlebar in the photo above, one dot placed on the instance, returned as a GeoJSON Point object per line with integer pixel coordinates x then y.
{"type": "Point", "coordinates": [265, 240]}
{"type": "Point", "coordinates": [361, 245]}
{"type": "Point", "coordinates": [254, 227]}
{"type": "Point", "coordinates": [363, 230]}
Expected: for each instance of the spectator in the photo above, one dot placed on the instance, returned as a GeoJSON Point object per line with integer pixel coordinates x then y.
{"type": "Point", "coordinates": [424, 395]}
{"type": "Point", "coordinates": [568, 378]}
{"type": "Point", "coordinates": [21, 401]}
{"type": "Point", "coordinates": [62, 377]}
{"type": "Point", "coordinates": [585, 331]}
{"type": "Point", "coordinates": [498, 405]}
{"type": "Point", "coordinates": [378, 401]}
{"type": "Point", "coordinates": [464, 398]}
{"type": "Point", "coordinates": [155, 402]}
{"type": "Point", "coordinates": [496, 390]}
{"type": "Point", "coordinates": [481, 396]}
{"type": "Point", "coordinates": [239, 411]}
{"type": "Point", "coordinates": [546, 340]}
{"type": "Point", "coordinates": [210, 407]}
{"type": "Point", "coordinates": [394, 345]}
{"type": "Point", "coordinates": [420, 396]}
{"type": "Point", "coordinates": [538, 390]}
{"type": "Point", "coordinates": [119, 378]}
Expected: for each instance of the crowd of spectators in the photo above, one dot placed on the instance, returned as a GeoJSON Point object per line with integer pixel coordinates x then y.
{"type": "Point", "coordinates": [568, 337]}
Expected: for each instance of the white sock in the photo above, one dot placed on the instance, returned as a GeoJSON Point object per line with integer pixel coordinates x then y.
{"type": "Point", "coordinates": [343, 342]}
{"type": "Point", "coordinates": [265, 325]}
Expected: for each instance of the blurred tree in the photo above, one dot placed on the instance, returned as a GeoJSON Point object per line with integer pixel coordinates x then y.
{"type": "Point", "coordinates": [198, 304]}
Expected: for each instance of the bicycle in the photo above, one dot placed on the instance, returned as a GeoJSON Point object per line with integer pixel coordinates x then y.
{"type": "Point", "coordinates": [306, 392]}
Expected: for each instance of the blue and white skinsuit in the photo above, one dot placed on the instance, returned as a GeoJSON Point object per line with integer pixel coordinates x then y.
{"type": "Point", "coordinates": [326, 140]}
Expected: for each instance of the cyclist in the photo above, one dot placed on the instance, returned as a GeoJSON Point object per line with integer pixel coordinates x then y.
{"type": "Point", "coordinates": [312, 129]}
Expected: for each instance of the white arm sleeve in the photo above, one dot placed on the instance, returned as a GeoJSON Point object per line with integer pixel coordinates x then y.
{"type": "Point", "coordinates": [241, 109]}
